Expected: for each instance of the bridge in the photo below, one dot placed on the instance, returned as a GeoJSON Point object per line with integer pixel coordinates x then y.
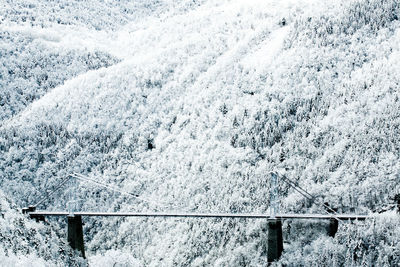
{"type": "Point", "coordinates": [274, 219]}
{"type": "Point", "coordinates": [37, 214]}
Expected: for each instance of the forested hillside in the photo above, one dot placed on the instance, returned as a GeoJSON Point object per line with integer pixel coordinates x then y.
{"type": "Point", "coordinates": [190, 105]}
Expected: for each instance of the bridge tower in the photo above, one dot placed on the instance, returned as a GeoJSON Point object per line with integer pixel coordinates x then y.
{"type": "Point", "coordinates": [275, 238]}
{"type": "Point", "coordinates": [75, 229]}
{"type": "Point", "coordinates": [75, 234]}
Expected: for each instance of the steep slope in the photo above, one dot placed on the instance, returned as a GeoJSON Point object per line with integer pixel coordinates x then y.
{"type": "Point", "coordinates": [44, 43]}
{"type": "Point", "coordinates": [206, 101]}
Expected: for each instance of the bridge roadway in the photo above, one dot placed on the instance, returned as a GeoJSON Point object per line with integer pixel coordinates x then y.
{"type": "Point", "coordinates": [202, 215]}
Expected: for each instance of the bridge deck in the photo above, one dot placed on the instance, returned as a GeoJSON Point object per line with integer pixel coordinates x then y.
{"type": "Point", "coordinates": [202, 215]}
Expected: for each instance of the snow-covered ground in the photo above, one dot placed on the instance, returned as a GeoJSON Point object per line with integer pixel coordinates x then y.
{"type": "Point", "coordinates": [190, 104]}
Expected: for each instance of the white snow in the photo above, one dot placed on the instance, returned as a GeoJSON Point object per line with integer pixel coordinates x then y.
{"type": "Point", "coordinates": [268, 50]}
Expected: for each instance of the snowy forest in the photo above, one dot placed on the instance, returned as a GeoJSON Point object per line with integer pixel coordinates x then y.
{"type": "Point", "coordinates": [189, 106]}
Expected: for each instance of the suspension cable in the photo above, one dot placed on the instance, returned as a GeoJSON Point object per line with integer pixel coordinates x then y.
{"type": "Point", "coordinates": [57, 187]}
{"type": "Point", "coordinates": [88, 179]}
{"type": "Point", "coordinates": [307, 195]}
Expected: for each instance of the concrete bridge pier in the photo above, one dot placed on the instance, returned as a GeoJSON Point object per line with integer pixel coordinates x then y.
{"type": "Point", "coordinates": [275, 240]}
{"type": "Point", "coordinates": [75, 233]}
{"type": "Point", "coordinates": [333, 227]}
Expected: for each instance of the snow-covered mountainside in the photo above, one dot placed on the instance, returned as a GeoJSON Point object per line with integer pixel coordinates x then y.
{"type": "Point", "coordinates": [190, 105]}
